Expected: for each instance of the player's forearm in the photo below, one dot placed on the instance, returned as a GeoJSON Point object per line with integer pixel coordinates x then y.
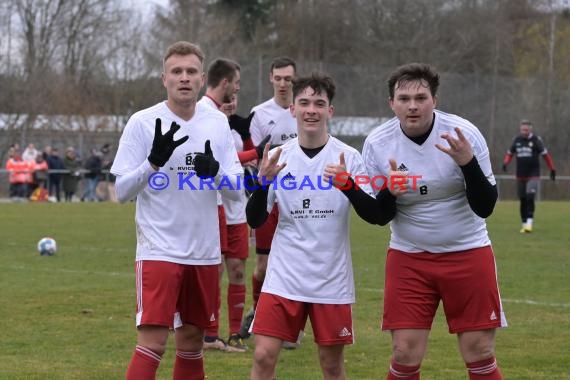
{"type": "Point", "coordinates": [386, 206]}
{"type": "Point", "coordinates": [481, 195]}
{"type": "Point", "coordinates": [129, 185]}
{"type": "Point", "coordinates": [548, 159]}
{"type": "Point", "coordinates": [230, 186]}
{"type": "Point", "coordinates": [256, 209]}
{"type": "Point", "coordinates": [364, 204]}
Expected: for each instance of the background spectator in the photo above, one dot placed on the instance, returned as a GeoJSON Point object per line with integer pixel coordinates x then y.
{"type": "Point", "coordinates": [71, 179]}
{"type": "Point", "coordinates": [94, 164]}
{"type": "Point", "coordinates": [54, 179]}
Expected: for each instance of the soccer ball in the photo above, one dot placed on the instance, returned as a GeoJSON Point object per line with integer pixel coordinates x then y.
{"type": "Point", "coordinates": [47, 246]}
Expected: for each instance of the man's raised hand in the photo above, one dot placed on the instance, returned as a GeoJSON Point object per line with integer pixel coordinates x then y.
{"type": "Point", "coordinates": [269, 167]}
{"type": "Point", "coordinates": [337, 174]}
{"type": "Point", "coordinates": [163, 145]}
{"type": "Point", "coordinates": [205, 164]}
{"type": "Point", "coordinates": [459, 150]}
{"type": "Point", "coordinates": [241, 125]}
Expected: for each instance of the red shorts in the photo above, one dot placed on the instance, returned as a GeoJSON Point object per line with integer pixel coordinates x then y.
{"type": "Point", "coordinates": [170, 294]}
{"type": "Point", "coordinates": [238, 241]}
{"type": "Point", "coordinates": [464, 281]}
{"type": "Point", "coordinates": [223, 229]}
{"type": "Point", "coordinates": [285, 319]}
{"type": "Point", "coordinates": [264, 233]}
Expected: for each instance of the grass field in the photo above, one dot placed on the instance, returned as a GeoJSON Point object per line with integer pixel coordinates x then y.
{"type": "Point", "coordinates": [70, 316]}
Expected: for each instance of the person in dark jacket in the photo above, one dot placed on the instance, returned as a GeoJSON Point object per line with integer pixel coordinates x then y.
{"type": "Point", "coordinates": [93, 165]}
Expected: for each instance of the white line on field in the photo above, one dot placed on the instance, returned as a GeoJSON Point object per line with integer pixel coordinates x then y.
{"type": "Point", "coordinates": [505, 300]}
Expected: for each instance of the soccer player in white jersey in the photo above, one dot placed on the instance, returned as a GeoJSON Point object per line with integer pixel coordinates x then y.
{"type": "Point", "coordinates": [439, 247]}
{"type": "Point", "coordinates": [178, 246]}
{"type": "Point", "coordinates": [271, 117]}
{"type": "Point", "coordinates": [223, 83]}
{"type": "Point", "coordinates": [309, 273]}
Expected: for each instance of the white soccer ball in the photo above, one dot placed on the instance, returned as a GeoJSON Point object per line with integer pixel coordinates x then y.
{"type": "Point", "coordinates": [47, 246]}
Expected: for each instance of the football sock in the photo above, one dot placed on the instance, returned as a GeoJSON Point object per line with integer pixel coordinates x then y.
{"type": "Point", "coordinates": [484, 370]}
{"type": "Point", "coordinates": [403, 372]}
{"type": "Point", "coordinates": [236, 302]}
{"type": "Point", "coordinates": [188, 366]}
{"type": "Point", "coordinates": [143, 365]}
{"type": "Point", "coordinates": [255, 290]}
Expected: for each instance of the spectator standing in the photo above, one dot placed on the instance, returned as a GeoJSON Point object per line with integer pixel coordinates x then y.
{"type": "Point", "coordinates": [93, 165]}
{"type": "Point", "coordinates": [20, 175]}
{"type": "Point", "coordinates": [55, 162]}
{"type": "Point", "coordinates": [30, 153]}
{"type": "Point", "coordinates": [71, 179]}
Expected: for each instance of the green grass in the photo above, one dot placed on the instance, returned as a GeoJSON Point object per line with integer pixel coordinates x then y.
{"type": "Point", "coordinates": [71, 316]}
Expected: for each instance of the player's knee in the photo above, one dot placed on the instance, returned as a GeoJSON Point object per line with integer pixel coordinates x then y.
{"type": "Point", "coordinates": [332, 369]}
{"type": "Point", "coordinates": [406, 354]}
{"type": "Point", "coordinates": [265, 358]}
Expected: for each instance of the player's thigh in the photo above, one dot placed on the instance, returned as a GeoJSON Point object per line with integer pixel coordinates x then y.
{"type": "Point", "coordinates": [158, 285]}
{"type": "Point", "coordinates": [223, 229]}
{"type": "Point", "coordinates": [279, 317]}
{"type": "Point", "coordinates": [238, 244]}
{"type": "Point", "coordinates": [532, 187]}
{"type": "Point", "coordinates": [332, 324]}
{"type": "Point", "coordinates": [521, 188]}
{"type": "Point", "coordinates": [410, 295]}
{"type": "Point", "coordinates": [470, 292]}
{"type": "Point", "coordinates": [200, 290]}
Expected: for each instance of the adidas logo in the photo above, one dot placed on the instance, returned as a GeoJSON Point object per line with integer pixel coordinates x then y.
{"type": "Point", "coordinates": [288, 177]}
{"type": "Point", "coordinates": [344, 332]}
{"type": "Point", "coordinates": [271, 122]}
{"type": "Point", "coordinates": [212, 318]}
{"type": "Point", "coordinates": [402, 168]}
{"type": "Point", "coordinates": [493, 316]}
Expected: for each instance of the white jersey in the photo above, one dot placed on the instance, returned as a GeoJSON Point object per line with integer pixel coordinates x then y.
{"type": "Point", "coordinates": [234, 210]}
{"type": "Point", "coordinates": [272, 119]}
{"type": "Point", "coordinates": [435, 217]}
{"type": "Point", "coordinates": [178, 223]}
{"type": "Point", "coordinates": [310, 257]}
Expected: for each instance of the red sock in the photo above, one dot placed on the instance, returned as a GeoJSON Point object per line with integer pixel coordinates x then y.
{"type": "Point", "coordinates": [236, 302]}
{"type": "Point", "coordinates": [214, 329]}
{"type": "Point", "coordinates": [255, 290]}
{"type": "Point", "coordinates": [484, 370]}
{"type": "Point", "coordinates": [143, 365]}
{"type": "Point", "coordinates": [403, 372]}
{"type": "Point", "coordinates": [188, 366]}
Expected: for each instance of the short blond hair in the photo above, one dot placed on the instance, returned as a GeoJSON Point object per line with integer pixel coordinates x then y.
{"type": "Point", "coordinates": [184, 48]}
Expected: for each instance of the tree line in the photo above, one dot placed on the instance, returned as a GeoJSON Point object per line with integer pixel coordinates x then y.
{"type": "Point", "coordinates": [500, 61]}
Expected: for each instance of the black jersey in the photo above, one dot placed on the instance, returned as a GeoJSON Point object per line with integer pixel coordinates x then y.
{"type": "Point", "coordinates": [527, 151]}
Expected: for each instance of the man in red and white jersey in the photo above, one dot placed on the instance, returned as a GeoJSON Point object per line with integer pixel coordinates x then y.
{"type": "Point", "coordinates": [273, 118]}
{"type": "Point", "coordinates": [439, 247]}
{"type": "Point", "coordinates": [166, 154]}
{"type": "Point", "coordinates": [309, 274]}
